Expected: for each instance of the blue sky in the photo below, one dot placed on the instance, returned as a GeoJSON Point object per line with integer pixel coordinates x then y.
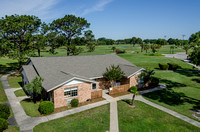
{"type": "Point", "coordinates": [118, 19]}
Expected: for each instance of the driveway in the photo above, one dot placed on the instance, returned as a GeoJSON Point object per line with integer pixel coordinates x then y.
{"type": "Point", "coordinates": [180, 55]}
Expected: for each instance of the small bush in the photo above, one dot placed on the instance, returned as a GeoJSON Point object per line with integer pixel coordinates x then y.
{"type": "Point", "coordinates": [173, 66]}
{"type": "Point", "coordinates": [46, 107]}
{"type": "Point", "coordinates": [74, 103]}
{"type": "Point", "coordinates": [118, 51]}
{"type": "Point", "coordinates": [4, 115]}
{"type": "Point", "coordinates": [154, 82]}
{"type": "Point", "coordinates": [163, 66]}
{"type": "Point", "coordinates": [3, 124]}
{"type": "Point", "coordinates": [5, 108]}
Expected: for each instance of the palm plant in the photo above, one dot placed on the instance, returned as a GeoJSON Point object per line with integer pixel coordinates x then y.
{"type": "Point", "coordinates": [135, 92]}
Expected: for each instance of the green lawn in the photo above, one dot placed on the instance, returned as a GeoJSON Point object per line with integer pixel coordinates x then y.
{"type": "Point", "coordinates": [30, 108]}
{"type": "Point", "coordinates": [182, 94]}
{"type": "Point", "coordinates": [93, 120]}
{"type": "Point", "coordinates": [19, 93]}
{"type": "Point", "coordinates": [12, 129]}
{"type": "Point", "coordinates": [146, 118]}
{"type": "Point", "coordinates": [15, 80]}
{"type": "Point", "coordinates": [7, 64]}
{"type": "Point", "coordinates": [3, 97]}
{"type": "Point", "coordinates": [151, 62]}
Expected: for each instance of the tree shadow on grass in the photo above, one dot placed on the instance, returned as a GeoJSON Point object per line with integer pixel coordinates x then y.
{"type": "Point", "coordinates": [196, 80]}
{"type": "Point", "coordinates": [171, 84]}
{"type": "Point", "coordinates": [167, 96]}
{"type": "Point", "coordinates": [189, 73]}
{"type": "Point", "coordinates": [9, 67]}
{"type": "Point", "coordinates": [128, 101]}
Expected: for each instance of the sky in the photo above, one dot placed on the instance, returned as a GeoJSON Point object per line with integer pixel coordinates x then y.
{"type": "Point", "coordinates": [118, 19]}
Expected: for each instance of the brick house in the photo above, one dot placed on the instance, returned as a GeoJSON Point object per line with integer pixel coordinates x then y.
{"type": "Point", "coordinates": [78, 77]}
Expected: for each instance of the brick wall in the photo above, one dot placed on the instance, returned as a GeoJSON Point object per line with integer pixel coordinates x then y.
{"type": "Point", "coordinates": [133, 80]}
{"type": "Point", "coordinates": [84, 93]}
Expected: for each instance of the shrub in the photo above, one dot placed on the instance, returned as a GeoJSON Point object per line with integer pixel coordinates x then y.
{"type": "Point", "coordinates": [154, 82]}
{"type": "Point", "coordinates": [163, 66]}
{"type": "Point", "coordinates": [74, 103]}
{"type": "Point", "coordinates": [173, 66]}
{"type": "Point", "coordinates": [3, 124]}
{"type": "Point", "coordinates": [118, 51]}
{"type": "Point", "coordinates": [4, 115]}
{"type": "Point", "coordinates": [46, 107]}
{"type": "Point", "coordinates": [5, 108]}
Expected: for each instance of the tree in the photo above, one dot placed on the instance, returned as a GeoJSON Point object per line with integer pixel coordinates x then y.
{"type": "Point", "coordinates": [186, 48]}
{"type": "Point", "coordinates": [113, 74]}
{"type": "Point", "coordinates": [133, 41]}
{"type": "Point", "coordinates": [154, 47]}
{"type": "Point", "coordinates": [70, 26]}
{"type": "Point", "coordinates": [34, 89]}
{"type": "Point", "coordinates": [145, 76]}
{"type": "Point", "coordinates": [139, 41]}
{"type": "Point", "coordinates": [40, 39]}
{"type": "Point", "coordinates": [146, 47]}
{"type": "Point", "coordinates": [134, 90]}
{"type": "Point", "coordinates": [171, 41]}
{"type": "Point", "coordinates": [16, 33]}
{"type": "Point", "coordinates": [195, 56]}
{"type": "Point", "coordinates": [172, 49]}
{"type": "Point", "coordinates": [195, 38]}
{"type": "Point", "coordinates": [89, 40]}
{"type": "Point", "coordinates": [142, 47]}
{"type": "Point", "coordinates": [52, 42]}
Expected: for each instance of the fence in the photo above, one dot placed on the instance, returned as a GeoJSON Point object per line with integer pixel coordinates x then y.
{"type": "Point", "coordinates": [96, 94]}
{"type": "Point", "coordinates": [119, 89]}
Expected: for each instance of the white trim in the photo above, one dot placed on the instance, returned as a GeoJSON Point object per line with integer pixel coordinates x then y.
{"type": "Point", "coordinates": [135, 73]}
{"type": "Point", "coordinates": [71, 80]}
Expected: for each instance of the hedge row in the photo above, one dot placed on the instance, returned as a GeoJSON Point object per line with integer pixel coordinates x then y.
{"type": "Point", "coordinates": [4, 114]}
{"type": "Point", "coordinates": [170, 66]}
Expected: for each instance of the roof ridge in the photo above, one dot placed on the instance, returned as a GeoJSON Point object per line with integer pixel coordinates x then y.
{"type": "Point", "coordinates": [72, 56]}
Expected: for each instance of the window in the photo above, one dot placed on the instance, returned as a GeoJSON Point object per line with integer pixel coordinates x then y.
{"type": "Point", "coordinates": [117, 83]}
{"type": "Point", "coordinates": [94, 86]}
{"type": "Point", "coordinates": [71, 92]}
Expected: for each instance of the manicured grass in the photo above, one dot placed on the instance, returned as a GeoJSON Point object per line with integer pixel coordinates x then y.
{"type": "Point", "coordinates": [151, 62]}
{"type": "Point", "coordinates": [12, 129]}
{"type": "Point", "coordinates": [19, 93]}
{"type": "Point", "coordinates": [182, 94]}
{"type": "Point", "coordinates": [7, 64]}
{"type": "Point", "coordinates": [15, 80]}
{"type": "Point", "coordinates": [146, 118]}
{"type": "Point", "coordinates": [3, 97]}
{"type": "Point", "coordinates": [93, 120]}
{"type": "Point", "coordinates": [30, 107]}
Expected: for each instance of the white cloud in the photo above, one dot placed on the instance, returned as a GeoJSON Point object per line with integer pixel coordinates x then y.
{"type": "Point", "coordinates": [40, 8]}
{"type": "Point", "coordinates": [98, 7]}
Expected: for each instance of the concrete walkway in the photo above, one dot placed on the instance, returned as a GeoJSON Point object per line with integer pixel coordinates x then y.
{"type": "Point", "coordinates": [113, 111]}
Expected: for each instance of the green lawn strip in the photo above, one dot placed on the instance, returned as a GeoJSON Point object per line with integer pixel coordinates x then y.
{"type": "Point", "coordinates": [12, 129]}
{"type": "Point", "coordinates": [151, 62]}
{"type": "Point", "coordinates": [146, 118]}
{"type": "Point", "coordinates": [19, 93]}
{"type": "Point", "coordinates": [3, 97]}
{"type": "Point", "coordinates": [92, 120]}
{"type": "Point", "coordinates": [30, 108]}
{"type": "Point", "coordinates": [7, 64]}
{"type": "Point", "coordinates": [182, 94]}
{"type": "Point", "coordinates": [14, 81]}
